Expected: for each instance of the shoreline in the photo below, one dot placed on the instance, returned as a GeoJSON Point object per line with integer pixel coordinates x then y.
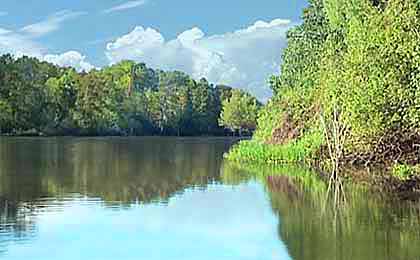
{"type": "Point", "coordinates": [379, 177]}
{"type": "Point", "coordinates": [43, 135]}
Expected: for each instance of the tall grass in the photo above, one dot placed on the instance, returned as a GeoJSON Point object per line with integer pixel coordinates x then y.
{"type": "Point", "coordinates": [302, 150]}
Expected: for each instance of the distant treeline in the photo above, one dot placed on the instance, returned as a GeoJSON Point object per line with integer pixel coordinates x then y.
{"type": "Point", "coordinates": [123, 99]}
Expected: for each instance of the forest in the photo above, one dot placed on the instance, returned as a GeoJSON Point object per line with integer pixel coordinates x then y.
{"type": "Point", "coordinates": [39, 98]}
{"type": "Point", "coordinates": [348, 92]}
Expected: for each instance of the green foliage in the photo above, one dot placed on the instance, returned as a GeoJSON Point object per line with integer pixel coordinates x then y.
{"type": "Point", "coordinates": [22, 92]}
{"type": "Point", "coordinates": [301, 61]}
{"type": "Point", "coordinates": [268, 120]}
{"type": "Point", "coordinates": [302, 150]}
{"type": "Point", "coordinates": [61, 99]}
{"type": "Point", "coordinates": [239, 111]}
{"type": "Point", "coordinates": [125, 98]}
{"type": "Point", "coordinates": [372, 76]}
{"type": "Point", "coordinates": [404, 171]}
{"type": "Point", "coordinates": [97, 103]}
{"type": "Point", "coordinates": [6, 116]}
{"type": "Point", "coordinates": [357, 61]}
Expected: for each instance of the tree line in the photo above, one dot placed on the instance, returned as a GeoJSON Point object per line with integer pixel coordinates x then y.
{"type": "Point", "coordinates": [127, 98]}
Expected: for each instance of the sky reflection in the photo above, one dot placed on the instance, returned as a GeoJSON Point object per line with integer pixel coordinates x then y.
{"type": "Point", "coordinates": [222, 222]}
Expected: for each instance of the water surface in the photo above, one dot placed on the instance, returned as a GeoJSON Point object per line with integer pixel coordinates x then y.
{"type": "Point", "coordinates": [175, 198]}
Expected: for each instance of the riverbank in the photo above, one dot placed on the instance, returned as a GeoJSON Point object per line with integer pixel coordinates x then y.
{"type": "Point", "coordinates": [78, 133]}
{"type": "Point", "coordinates": [397, 179]}
{"type": "Point", "coordinates": [347, 97]}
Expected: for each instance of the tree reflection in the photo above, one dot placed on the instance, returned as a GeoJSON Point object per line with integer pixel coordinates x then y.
{"type": "Point", "coordinates": [118, 171]}
{"type": "Point", "coordinates": [368, 227]}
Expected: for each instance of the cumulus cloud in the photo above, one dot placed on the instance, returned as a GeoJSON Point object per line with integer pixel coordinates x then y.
{"type": "Point", "coordinates": [244, 58]}
{"type": "Point", "coordinates": [125, 6]}
{"type": "Point", "coordinates": [70, 59]}
{"type": "Point", "coordinates": [50, 24]}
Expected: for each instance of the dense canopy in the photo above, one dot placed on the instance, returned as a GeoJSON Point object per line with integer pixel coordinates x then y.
{"type": "Point", "coordinates": [123, 99]}
{"type": "Point", "coordinates": [355, 62]}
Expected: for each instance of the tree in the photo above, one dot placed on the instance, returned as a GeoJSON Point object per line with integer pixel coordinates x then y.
{"type": "Point", "coordinates": [355, 64]}
{"type": "Point", "coordinates": [124, 98]}
{"type": "Point", "coordinates": [239, 112]}
{"type": "Point", "coordinates": [374, 79]}
{"type": "Point", "coordinates": [6, 116]}
{"type": "Point", "coordinates": [134, 115]}
{"type": "Point", "coordinates": [97, 104]}
{"type": "Point", "coordinates": [201, 93]}
{"type": "Point", "coordinates": [61, 99]}
{"type": "Point", "coordinates": [22, 88]}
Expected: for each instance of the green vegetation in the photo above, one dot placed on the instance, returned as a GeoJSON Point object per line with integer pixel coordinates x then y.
{"type": "Point", "coordinates": [298, 151]}
{"type": "Point", "coordinates": [404, 171]}
{"type": "Point", "coordinates": [239, 112]}
{"type": "Point", "coordinates": [351, 71]}
{"type": "Point", "coordinates": [123, 99]}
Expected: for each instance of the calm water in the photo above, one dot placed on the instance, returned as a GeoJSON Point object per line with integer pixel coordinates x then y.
{"type": "Point", "coordinates": [163, 198]}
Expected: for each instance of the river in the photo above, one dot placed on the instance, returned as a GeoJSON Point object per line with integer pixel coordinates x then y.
{"type": "Point", "coordinates": [175, 198]}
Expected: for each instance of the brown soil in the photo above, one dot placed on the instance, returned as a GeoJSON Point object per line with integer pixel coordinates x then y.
{"type": "Point", "coordinates": [399, 147]}
{"type": "Point", "coordinates": [394, 147]}
{"type": "Point", "coordinates": [287, 131]}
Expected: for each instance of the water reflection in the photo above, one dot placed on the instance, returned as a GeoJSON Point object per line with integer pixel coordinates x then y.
{"type": "Point", "coordinates": [162, 198]}
{"type": "Point", "coordinates": [118, 171]}
{"type": "Point", "coordinates": [368, 227]}
{"type": "Point", "coordinates": [152, 198]}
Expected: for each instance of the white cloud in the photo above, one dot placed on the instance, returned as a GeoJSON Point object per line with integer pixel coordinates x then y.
{"type": "Point", "coordinates": [50, 24]}
{"type": "Point", "coordinates": [22, 43]}
{"type": "Point", "coordinates": [18, 45]}
{"type": "Point", "coordinates": [70, 59]}
{"type": "Point", "coordinates": [125, 6]}
{"type": "Point", "coordinates": [244, 58]}
{"type": "Point", "coordinates": [2, 13]}
{"type": "Point", "coordinates": [4, 31]}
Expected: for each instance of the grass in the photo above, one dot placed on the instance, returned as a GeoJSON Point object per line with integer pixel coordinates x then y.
{"type": "Point", "coordinates": [404, 171]}
{"type": "Point", "coordinates": [302, 150]}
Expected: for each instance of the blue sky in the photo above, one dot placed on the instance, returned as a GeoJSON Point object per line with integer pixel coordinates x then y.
{"type": "Point", "coordinates": [95, 33]}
